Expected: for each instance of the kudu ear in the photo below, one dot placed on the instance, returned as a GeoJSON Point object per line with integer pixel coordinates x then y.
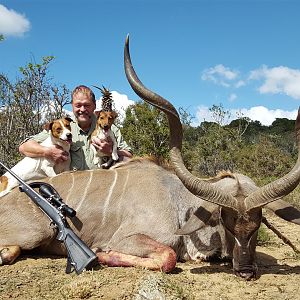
{"type": "Point", "coordinates": [197, 220]}
{"type": "Point", "coordinates": [285, 211]}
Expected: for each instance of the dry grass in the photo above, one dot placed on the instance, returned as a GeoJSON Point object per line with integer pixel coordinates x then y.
{"type": "Point", "coordinates": [45, 278]}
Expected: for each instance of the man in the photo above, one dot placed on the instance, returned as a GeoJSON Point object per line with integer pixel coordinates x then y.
{"type": "Point", "coordinates": [83, 106]}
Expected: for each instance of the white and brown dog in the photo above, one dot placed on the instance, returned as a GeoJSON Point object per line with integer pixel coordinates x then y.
{"type": "Point", "coordinates": [103, 131]}
{"type": "Point", "coordinates": [36, 168]}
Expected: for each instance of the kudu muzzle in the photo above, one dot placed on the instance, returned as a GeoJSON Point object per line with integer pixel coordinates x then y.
{"type": "Point", "coordinates": [243, 261]}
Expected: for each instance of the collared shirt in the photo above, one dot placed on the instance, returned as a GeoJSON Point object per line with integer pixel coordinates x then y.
{"type": "Point", "coordinates": [81, 152]}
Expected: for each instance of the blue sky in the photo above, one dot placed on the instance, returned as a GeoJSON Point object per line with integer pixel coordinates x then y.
{"type": "Point", "coordinates": [244, 55]}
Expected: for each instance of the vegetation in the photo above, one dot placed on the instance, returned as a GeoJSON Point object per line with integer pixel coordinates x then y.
{"type": "Point", "coordinates": [264, 153]}
{"type": "Point", "coordinates": [146, 130]}
{"type": "Point", "coordinates": [263, 237]}
{"type": "Point", "coordinates": [26, 105]}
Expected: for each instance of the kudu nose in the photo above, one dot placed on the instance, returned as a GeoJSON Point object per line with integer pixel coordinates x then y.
{"type": "Point", "coordinates": [246, 275]}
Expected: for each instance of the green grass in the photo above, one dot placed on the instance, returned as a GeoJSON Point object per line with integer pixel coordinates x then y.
{"type": "Point", "coordinates": [263, 238]}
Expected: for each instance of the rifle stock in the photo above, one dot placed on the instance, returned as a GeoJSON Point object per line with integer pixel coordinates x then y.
{"type": "Point", "coordinates": [80, 256]}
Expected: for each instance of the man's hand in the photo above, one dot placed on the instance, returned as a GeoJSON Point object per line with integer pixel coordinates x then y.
{"type": "Point", "coordinates": [33, 149]}
{"type": "Point", "coordinates": [57, 154]}
{"type": "Point", "coordinates": [103, 145]}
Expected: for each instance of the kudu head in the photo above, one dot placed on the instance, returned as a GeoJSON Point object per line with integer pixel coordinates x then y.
{"type": "Point", "coordinates": [241, 213]}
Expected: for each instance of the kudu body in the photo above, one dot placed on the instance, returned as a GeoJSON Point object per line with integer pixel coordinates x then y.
{"type": "Point", "coordinates": [240, 203]}
{"type": "Point", "coordinates": [129, 214]}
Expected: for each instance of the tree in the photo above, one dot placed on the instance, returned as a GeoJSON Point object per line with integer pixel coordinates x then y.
{"type": "Point", "coordinates": [146, 130]}
{"type": "Point", "coordinates": [220, 115]}
{"type": "Point", "coordinates": [216, 143]}
{"type": "Point", "coordinates": [282, 125]}
{"type": "Point", "coordinates": [191, 136]}
{"type": "Point", "coordinates": [215, 148]}
{"type": "Point", "coordinates": [26, 105]}
{"type": "Point", "coordinates": [263, 160]}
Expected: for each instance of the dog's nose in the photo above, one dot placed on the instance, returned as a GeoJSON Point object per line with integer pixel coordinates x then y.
{"type": "Point", "coordinates": [106, 126]}
{"type": "Point", "coordinates": [69, 135]}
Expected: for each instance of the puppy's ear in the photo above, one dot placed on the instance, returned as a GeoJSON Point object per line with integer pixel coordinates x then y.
{"type": "Point", "coordinates": [114, 114]}
{"type": "Point", "coordinates": [48, 126]}
{"type": "Point", "coordinates": [69, 119]}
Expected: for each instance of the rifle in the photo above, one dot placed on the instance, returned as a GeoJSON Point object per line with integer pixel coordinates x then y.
{"type": "Point", "coordinates": [80, 256]}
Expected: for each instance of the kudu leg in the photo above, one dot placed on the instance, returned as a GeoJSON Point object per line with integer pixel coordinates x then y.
{"type": "Point", "coordinates": [8, 254]}
{"type": "Point", "coordinates": [145, 252]}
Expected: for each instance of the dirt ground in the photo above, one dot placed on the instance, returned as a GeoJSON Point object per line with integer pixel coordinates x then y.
{"type": "Point", "coordinates": [44, 278]}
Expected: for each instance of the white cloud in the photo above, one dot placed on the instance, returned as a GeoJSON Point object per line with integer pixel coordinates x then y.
{"type": "Point", "coordinates": [258, 113]}
{"type": "Point", "coordinates": [12, 23]}
{"type": "Point", "coordinates": [267, 116]}
{"type": "Point", "coordinates": [240, 83]}
{"type": "Point", "coordinates": [278, 80]}
{"type": "Point", "coordinates": [121, 102]}
{"type": "Point", "coordinates": [232, 97]}
{"type": "Point", "coordinates": [202, 114]}
{"type": "Point", "coordinates": [220, 74]}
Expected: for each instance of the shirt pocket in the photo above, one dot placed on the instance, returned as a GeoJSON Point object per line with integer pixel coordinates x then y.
{"type": "Point", "coordinates": [77, 157]}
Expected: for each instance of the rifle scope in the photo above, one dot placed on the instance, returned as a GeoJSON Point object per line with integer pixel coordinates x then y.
{"type": "Point", "coordinates": [49, 192]}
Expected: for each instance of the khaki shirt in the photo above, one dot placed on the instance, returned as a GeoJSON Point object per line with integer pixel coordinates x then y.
{"type": "Point", "coordinates": [81, 152]}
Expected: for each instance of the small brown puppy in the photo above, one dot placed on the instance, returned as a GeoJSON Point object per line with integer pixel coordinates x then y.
{"type": "Point", "coordinates": [103, 131]}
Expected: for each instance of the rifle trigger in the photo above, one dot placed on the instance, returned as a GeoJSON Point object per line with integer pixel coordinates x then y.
{"type": "Point", "coordinates": [53, 225]}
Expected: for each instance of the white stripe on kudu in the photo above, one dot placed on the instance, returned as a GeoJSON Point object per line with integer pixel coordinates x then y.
{"type": "Point", "coordinates": [71, 187]}
{"type": "Point", "coordinates": [107, 200]}
{"type": "Point", "coordinates": [85, 190]}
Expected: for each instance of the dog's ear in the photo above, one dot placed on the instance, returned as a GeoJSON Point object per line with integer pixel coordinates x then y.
{"type": "Point", "coordinates": [68, 119]}
{"type": "Point", "coordinates": [114, 114]}
{"type": "Point", "coordinates": [48, 126]}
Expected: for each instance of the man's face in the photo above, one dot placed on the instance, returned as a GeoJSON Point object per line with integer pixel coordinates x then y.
{"type": "Point", "coordinates": [83, 109]}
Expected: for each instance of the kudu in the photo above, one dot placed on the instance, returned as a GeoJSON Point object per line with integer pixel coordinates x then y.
{"type": "Point", "coordinates": [129, 214]}
{"type": "Point", "coordinates": [240, 202]}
